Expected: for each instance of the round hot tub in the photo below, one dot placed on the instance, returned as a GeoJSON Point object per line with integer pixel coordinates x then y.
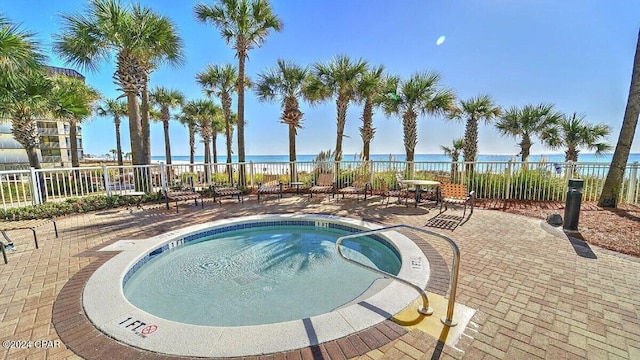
{"type": "Point", "coordinates": [251, 285]}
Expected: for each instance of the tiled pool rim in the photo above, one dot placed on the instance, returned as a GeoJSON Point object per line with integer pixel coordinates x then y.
{"type": "Point", "coordinates": [109, 311]}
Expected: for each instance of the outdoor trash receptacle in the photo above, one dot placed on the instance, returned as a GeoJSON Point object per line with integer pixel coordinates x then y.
{"type": "Point", "coordinates": [572, 205]}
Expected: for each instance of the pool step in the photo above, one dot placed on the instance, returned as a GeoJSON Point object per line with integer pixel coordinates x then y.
{"type": "Point", "coordinates": [411, 319]}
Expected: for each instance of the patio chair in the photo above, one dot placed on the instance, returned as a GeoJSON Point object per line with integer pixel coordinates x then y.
{"type": "Point", "coordinates": [456, 194]}
{"type": "Point", "coordinates": [271, 184]}
{"type": "Point", "coordinates": [434, 193]}
{"type": "Point", "coordinates": [325, 184]}
{"type": "Point", "coordinates": [399, 185]}
{"type": "Point", "coordinates": [219, 191]}
{"type": "Point", "coordinates": [443, 179]}
{"type": "Point", "coordinates": [183, 194]}
{"type": "Point", "coordinates": [21, 225]}
{"type": "Point", "coordinates": [398, 193]}
{"type": "Point", "coordinates": [360, 186]}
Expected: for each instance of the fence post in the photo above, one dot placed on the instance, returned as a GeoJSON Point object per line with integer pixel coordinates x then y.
{"type": "Point", "coordinates": [163, 177]}
{"type": "Point", "coordinates": [632, 183]}
{"type": "Point", "coordinates": [507, 191]}
{"type": "Point", "coordinates": [107, 180]}
{"type": "Point", "coordinates": [35, 188]}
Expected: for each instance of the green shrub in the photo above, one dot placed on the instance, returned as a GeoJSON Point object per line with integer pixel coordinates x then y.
{"type": "Point", "coordinates": [188, 178]}
{"type": "Point", "coordinates": [16, 191]}
{"type": "Point", "coordinates": [72, 206]}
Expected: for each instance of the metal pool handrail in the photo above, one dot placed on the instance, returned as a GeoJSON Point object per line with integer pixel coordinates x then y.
{"type": "Point", "coordinates": [448, 320]}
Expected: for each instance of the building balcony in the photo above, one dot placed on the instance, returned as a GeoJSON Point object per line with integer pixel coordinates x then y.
{"type": "Point", "coordinates": [51, 159]}
{"type": "Point", "coordinates": [49, 145]}
{"type": "Point", "coordinates": [47, 131]}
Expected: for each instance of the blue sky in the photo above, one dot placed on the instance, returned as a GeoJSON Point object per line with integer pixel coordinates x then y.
{"type": "Point", "coordinates": [576, 54]}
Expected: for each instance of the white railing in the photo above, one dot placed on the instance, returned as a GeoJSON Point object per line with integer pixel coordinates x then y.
{"type": "Point", "coordinates": [540, 181]}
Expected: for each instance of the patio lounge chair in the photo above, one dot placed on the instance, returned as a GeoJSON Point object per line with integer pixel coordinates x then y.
{"type": "Point", "coordinates": [20, 225]}
{"type": "Point", "coordinates": [360, 186]}
{"type": "Point", "coordinates": [183, 195]}
{"type": "Point", "coordinates": [397, 193]}
{"type": "Point", "coordinates": [324, 184]}
{"type": "Point", "coordinates": [456, 194]}
{"type": "Point", "coordinates": [221, 190]}
{"type": "Point", "coordinates": [271, 184]}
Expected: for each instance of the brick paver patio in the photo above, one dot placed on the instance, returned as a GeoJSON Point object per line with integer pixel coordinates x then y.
{"type": "Point", "coordinates": [537, 294]}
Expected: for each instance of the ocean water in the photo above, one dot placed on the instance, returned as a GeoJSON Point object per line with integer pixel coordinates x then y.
{"type": "Point", "coordinates": [551, 158]}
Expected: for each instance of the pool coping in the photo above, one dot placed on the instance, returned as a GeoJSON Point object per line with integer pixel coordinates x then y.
{"type": "Point", "coordinates": [137, 328]}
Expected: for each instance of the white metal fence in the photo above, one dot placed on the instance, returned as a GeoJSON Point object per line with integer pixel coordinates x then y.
{"type": "Point", "coordinates": [540, 181]}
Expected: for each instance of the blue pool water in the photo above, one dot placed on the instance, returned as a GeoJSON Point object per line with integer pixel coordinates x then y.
{"type": "Point", "coordinates": [257, 276]}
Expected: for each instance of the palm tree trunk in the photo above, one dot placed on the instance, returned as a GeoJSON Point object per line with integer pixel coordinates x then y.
{"type": "Point", "coordinates": [226, 109]}
{"type": "Point", "coordinates": [571, 154]}
{"type": "Point", "coordinates": [410, 133]}
{"type": "Point", "coordinates": [292, 153]}
{"type": "Point", "coordinates": [341, 105]}
{"type": "Point", "coordinates": [145, 127]}
{"type": "Point", "coordinates": [192, 146]}
{"type": "Point", "coordinates": [292, 143]}
{"type": "Point", "coordinates": [613, 183]}
{"type": "Point", "coordinates": [73, 137]}
{"type": "Point", "coordinates": [367, 131]}
{"type": "Point", "coordinates": [134, 129]}
{"type": "Point", "coordinates": [32, 155]}
{"type": "Point", "coordinates": [241, 64]}
{"type": "Point", "coordinates": [470, 150]}
{"type": "Point", "coordinates": [525, 148]}
{"type": "Point", "coordinates": [118, 141]}
{"type": "Point", "coordinates": [207, 158]}
{"type": "Point", "coordinates": [167, 144]}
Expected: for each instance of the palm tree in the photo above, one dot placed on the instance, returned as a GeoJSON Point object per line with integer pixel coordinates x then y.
{"type": "Point", "coordinates": [203, 112]}
{"type": "Point", "coordinates": [527, 122]}
{"type": "Point", "coordinates": [419, 95]}
{"type": "Point", "coordinates": [116, 109]}
{"type": "Point", "coordinates": [23, 86]}
{"type": "Point", "coordinates": [222, 81]}
{"type": "Point", "coordinates": [339, 78]}
{"type": "Point", "coordinates": [218, 126]}
{"type": "Point", "coordinates": [139, 39]}
{"type": "Point", "coordinates": [244, 24]}
{"type": "Point", "coordinates": [284, 83]}
{"type": "Point", "coordinates": [71, 100]}
{"type": "Point", "coordinates": [188, 119]}
{"type": "Point", "coordinates": [167, 48]}
{"type": "Point", "coordinates": [473, 111]}
{"type": "Point", "coordinates": [613, 183]}
{"type": "Point", "coordinates": [24, 105]}
{"type": "Point", "coordinates": [20, 57]}
{"type": "Point", "coordinates": [370, 90]}
{"type": "Point", "coordinates": [457, 146]}
{"type": "Point", "coordinates": [573, 133]}
{"type": "Point", "coordinates": [166, 99]}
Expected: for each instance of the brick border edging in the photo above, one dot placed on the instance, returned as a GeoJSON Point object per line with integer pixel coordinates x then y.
{"type": "Point", "coordinates": [80, 336]}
